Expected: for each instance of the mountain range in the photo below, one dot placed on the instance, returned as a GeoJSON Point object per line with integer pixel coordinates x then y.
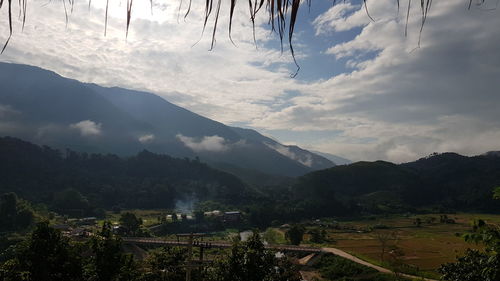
{"type": "Point", "coordinates": [441, 182]}
{"type": "Point", "coordinates": [43, 107]}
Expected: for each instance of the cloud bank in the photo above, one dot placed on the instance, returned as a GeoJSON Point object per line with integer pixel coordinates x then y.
{"type": "Point", "coordinates": [399, 102]}
{"type": "Point", "coordinates": [205, 144]}
{"type": "Point", "coordinates": [146, 138]}
{"type": "Point", "coordinates": [7, 111]}
{"type": "Point", "coordinates": [304, 159]}
{"type": "Point", "coordinates": [87, 128]}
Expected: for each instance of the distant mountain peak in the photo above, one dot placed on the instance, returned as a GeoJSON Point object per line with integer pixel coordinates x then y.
{"type": "Point", "coordinates": [65, 113]}
{"type": "Point", "coordinates": [338, 160]}
{"type": "Point", "coordinates": [492, 154]}
{"type": "Point", "coordinates": [305, 159]}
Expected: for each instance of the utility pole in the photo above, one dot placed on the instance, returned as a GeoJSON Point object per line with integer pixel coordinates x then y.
{"type": "Point", "coordinates": [190, 263]}
{"type": "Point", "coordinates": [190, 257]}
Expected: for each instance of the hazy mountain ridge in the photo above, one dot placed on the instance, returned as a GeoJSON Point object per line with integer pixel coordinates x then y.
{"type": "Point", "coordinates": [145, 180]}
{"type": "Point", "coordinates": [492, 153]}
{"type": "Point", "coordinates": [45, 108]}
{"type": "Point", "coordinates": [446, 180]}
{"type": "Point", "coordinates": [334, 158]}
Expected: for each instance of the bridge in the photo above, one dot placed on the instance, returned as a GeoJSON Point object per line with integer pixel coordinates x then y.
{"type": "Point", "coordinates": [281, 248]}
{"type": "Point", "coordinates": [221, 245]}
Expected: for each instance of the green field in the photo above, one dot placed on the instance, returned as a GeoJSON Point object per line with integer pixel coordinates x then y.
{"type": "Point", "coordinates": [425, 247]}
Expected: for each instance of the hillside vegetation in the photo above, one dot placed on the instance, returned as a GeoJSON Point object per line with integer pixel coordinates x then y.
{"type": "Point", "coordinates": [442, 181]}
{"type": "Point", "coordinates": [78, 183]}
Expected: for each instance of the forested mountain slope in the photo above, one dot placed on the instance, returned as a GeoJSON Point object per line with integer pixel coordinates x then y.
{"type": "Point", "coordinates": [72, 180]}
{"type": "Point", "coordinates": [440, 181]}
{"type": "Point", "coordinates": [42, 107]}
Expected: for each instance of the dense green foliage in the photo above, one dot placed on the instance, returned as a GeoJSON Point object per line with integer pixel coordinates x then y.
{"type": "Point", "coordinates": [15, 213]}
{"type": "Point", "coordinates": [106, 261]}
{"type": "Point", "coordinates": [335, 268]}
{"type": "Point", "coordinates": [44, 256]}
{"type": "Point", "coordinates": [439, 183]}
{"type": "Point", "coordinates": [444, 182]}
{"type": "Point", "coordinates": [476, 265]}
{"type": "Point", "coordinates": [130, 222]}
{"type": "Point", "coordinates": [166, 264]}
{"type": "Point", "coordinates": [250, 261]}
{"type": "Point", "coordinates": [473, 266]}
{"type": "Point", "coordinates": [295, 234]}
{"type": "Point", "coordinates": [318, 235]}
{"type": "Point", "coordinates": [496, 193]}
{"type": "Point", "coordinates": [78, 183]}
{"type": "Point", "coordinates": [48, 256]}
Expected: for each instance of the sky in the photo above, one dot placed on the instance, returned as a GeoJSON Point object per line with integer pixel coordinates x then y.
{"type": "Point", "coordinates": [365, 91]}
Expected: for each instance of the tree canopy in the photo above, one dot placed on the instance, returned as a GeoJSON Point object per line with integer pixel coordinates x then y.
{"type": "Point", "coordinates": [475, 264]}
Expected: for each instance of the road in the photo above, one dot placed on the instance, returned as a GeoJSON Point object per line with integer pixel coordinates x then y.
{"type": "Point", "coordinates": [345, 255]}
{"type": "Point", "coordinates": [289, 248]}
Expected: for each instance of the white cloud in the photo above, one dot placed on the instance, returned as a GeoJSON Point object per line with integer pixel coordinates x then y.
{"type": "Point", "coordinates": [339, 18]}
{"type": "Point", "coordinates": [305, 159]}
{"type": "Point", "coordinates": [7, 111]}
{"type": "Point", "coordinates": [402, 103]}
{"type": "Point", "coordinates": [87, 128]}
{"type": "Point", "coordinates": [146, 138]}
{"type": "Point", "coordinates": [158, 54]}
{"type": "Point", "coordinates": [394, 103]}
{"type": "Point", "coordinates": [206, 143]}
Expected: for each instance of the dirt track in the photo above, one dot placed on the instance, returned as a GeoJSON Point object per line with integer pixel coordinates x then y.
{"type": "Point", "coordinates": [345, 255]}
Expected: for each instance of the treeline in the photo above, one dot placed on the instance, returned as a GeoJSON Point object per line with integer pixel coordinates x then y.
{"type": "Point", "coordinates": [46, 255]}
{"type": "Point", "coordinates": [15, 214]}
{"type": "Point", "coordinates": [439, 183]}
{"type": "Point", "coordinates": [80, 184]}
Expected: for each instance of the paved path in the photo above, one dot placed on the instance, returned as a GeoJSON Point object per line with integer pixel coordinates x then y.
{"type": "Point", "coordinates": [345, 255]}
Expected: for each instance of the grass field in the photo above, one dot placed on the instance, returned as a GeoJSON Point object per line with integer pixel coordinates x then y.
{"type": "Point", "coordinates": [426, 247]}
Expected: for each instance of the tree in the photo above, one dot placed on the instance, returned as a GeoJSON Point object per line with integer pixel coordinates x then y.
{"type": "Point", "coordinates": [107, 262]}
{"type": "Point", "coordinates": [174, 217]}
{"type": "Point", "coordinates": [45, 256]}
{"type": "Point", "coordinates": [130, 222]}
{"type": "Point", "coordinates": [199, 216]}
{"type": "Point", "coordinates": [272, 236]}
{"type": "Point", "coordinates": [295, 234]}
{"type": "Point", "coordinates": [477, 265]}
{"type": "Point", "coordinates": [184, 217]}
{"type": "Point", "coordinates": [70, 199]}
{"type": "Point", "coordinates": [473, 266]}
{"type": "Point", "coordinates": [250, 261]}
{"type": "Point", "coordinates": [166, 264]}
{"type": "Point", "coordinates": [317, 236]}
{"type": "Point", "coordinates": [384, 238]}
{"type": "Point", "coordinates": [496, 193]}
{"type": "Point", "coordinates": [14, 213]}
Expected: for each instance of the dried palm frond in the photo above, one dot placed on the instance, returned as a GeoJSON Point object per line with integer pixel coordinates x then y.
{"type": "Point", "coordinates": [278, 12]}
